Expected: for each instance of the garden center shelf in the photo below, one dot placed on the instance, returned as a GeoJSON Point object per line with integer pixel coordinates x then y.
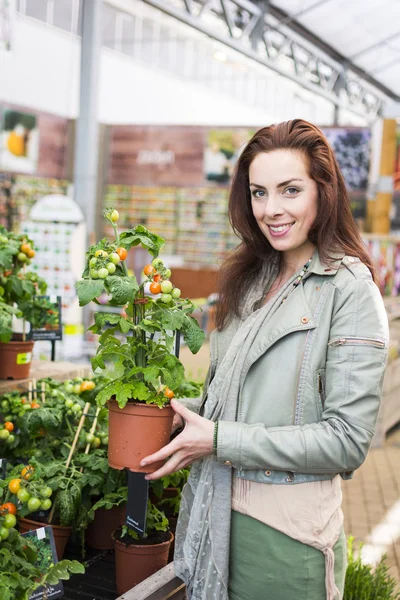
{"type": "Point", "coordinates": [44, 368]}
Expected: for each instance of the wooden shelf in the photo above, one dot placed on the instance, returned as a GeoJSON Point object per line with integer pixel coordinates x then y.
{"type": "Point", "coordinates": [45, 368]}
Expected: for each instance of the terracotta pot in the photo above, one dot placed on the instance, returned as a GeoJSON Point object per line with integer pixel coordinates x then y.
{"type": "Point", "coordinates": [15, 360]}
{"type": "Point", "coordinates": [136, 431]}
{"type": "Point", "coordinates": [99, 532]}
{"type": "Point", "coordinates": [61, 533]}
{"type": "Point", "coordinates": [135, 563]}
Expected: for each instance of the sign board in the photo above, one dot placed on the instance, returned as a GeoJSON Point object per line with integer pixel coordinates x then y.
{"type": "Point", "coordinates": [52, 330]}
{"type": "Point", "coordinates": [56, 208]}
{"type": "Point", "coordinates": [138, 492]}
{"type": "Point", "coordinates": [43, 540]}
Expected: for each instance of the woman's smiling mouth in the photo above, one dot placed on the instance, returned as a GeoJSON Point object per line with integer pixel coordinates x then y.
{"type": "Point", "coordinates": [279, 230]}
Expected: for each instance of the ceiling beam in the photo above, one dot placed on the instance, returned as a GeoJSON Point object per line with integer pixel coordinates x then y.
{"type": "Point", "coordinates": [374, 46]}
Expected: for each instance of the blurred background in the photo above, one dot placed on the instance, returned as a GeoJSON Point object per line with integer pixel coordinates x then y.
{"type": "Point", "coordinates": [145, 106]}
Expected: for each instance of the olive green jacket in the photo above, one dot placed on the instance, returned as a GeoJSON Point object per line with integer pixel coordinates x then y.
{"type": "Point", "coordinates": [312, 384]}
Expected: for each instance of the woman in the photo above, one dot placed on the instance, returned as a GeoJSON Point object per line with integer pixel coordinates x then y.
{"type": "Point", "coordinates": [294, 386]}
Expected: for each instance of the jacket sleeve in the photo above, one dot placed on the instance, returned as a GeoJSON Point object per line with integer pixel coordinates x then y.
{"type": "Point", "coordinates": [354, 376]}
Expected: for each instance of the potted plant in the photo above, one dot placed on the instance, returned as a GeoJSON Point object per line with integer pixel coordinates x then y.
{"type": "Point", "coordinates": [137, 558]}
{"type": "Point", "coordinates": [24, 565]}
{"type": "Point", "coordinates": [136, 347]}
{"type": "Point", "coordinates": [20, 290]}
{"type": "Point", "coordinates": [105, 517]}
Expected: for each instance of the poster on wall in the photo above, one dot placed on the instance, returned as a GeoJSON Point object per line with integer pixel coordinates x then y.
{"type": "Point", "coordinates": [19, 149]}
{"type": "Point", "coordinates": [6, 20]}
{"type": "Point", "coordinates": [223, 148]}
{"type": "Point", "coordinates": [352, 150]}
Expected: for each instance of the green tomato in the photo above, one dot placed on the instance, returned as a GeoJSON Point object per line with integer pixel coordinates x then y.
{"type": "Point", "coordinates": [94, 274]}
{"type": "Point", "coordinates": [69, 412]}
{"type": "Point", "coordinates": [77, 389]}
{"type": "Point", "coordinates": [46, 504]}
{"type": "Point", "coordinates": [102, 273]}
{"type": "Point", "coordinates": [176, 293]}
{"type": "Point", "coordinates": [89, 438]}
{"type": "Point", "coordinates": [10, 439]}
{"type": "Point", "coordinates": [4, 434]}
{"type": "Point", "coordinates": [93, 262]}
{"type": "Point", "coordinates": [23, 495]}
{"type": "Point", "coordinates": [114, 258]}
{"type": "Point", "coordinates": [55, 443]}
{"type": "Point", "coordinates": [101, 253]}
{"type": "Point", "coordinates": [4, 533]}
{"type": "Point", "coordinates": [69, 403]}
{"type": "Point", "coordinates": [3, 239]}
{"type": "Point", "coordinates": [96, 442]}
{"type": "Point", "coordinates": [111, 268]}
{"type": "Point", "coordinates": [78, 380]}
{"type": "Point", "coordinates": [34, 504]}
{"type": "Point", "coordinates": [8, 418]}
{"type": "Point", "coordinates": [9, 521]}
{"type": "Point", "coordinates": [68, 387]}
{"type": "Point", "coordinates": [166, 287]}
{"type": "Point", "coordinates": [76, 408]}
{"type": "Point", "coordinates": [54, 393]}
{"type": "Point", "coordinates": [167, 273]}
{"type": "Point", "coordinates": [104, 440]}
{"type": "Point", "coordinates": [37, 453]}
{"type": "Point", "coordinates": [166, 298]}
{"type": "Point", "coordinates": [114, 216]}
{"type": "Point", "coordinates": [5, 405]}
{"type": "Point", "coordinates": [47, 492]}
{"type": "Point", "coordinates": [27, 406]}
{"type": "Point", "coordinates": [157, 264]}
{"type": "Point", "coordinates": [22, 257]}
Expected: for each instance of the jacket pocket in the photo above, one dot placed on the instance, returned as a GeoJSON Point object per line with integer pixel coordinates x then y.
{"type": "Point", "coordinates": [357, 341]}
{"type": "Point", "coordinates": [320, 395]}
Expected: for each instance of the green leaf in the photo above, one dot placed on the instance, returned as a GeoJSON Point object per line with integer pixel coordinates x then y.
{"type": "Point", "coordinates": [123, 289]}
{"type": "Point", "coordinates": [6, 255]}
{"type": "Point", "coordinates": [141, 235]}
{"type": "Point", "coordinates": [62, 570]}
{"type": "Point", "coordinates": [88, 290]}
{"type": "Point", "coordinates": [192, 334]}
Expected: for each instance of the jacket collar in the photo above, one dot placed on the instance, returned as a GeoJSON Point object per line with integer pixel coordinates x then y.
{"type": "Point", "coordinates": [320, 268]}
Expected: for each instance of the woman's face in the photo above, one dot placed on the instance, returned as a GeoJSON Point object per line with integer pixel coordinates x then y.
{"type": "Point", "coordinates": [284, 200]}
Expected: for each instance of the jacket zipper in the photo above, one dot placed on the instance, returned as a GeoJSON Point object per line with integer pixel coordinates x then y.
{"type": "Point", "coordinates": [357, 341]}
{"type": "Point", "coordinates": [321, 390]}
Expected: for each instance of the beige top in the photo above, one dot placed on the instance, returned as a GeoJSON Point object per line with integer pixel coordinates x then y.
{"type": "Point", "coordinates": [307, 512]}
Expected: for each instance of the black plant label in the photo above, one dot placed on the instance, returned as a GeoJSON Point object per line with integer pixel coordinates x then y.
{"type": "Point", "coordinates": [138, 492]}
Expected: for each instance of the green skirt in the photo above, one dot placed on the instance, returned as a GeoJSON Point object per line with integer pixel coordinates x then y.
{"type": "Point", "coordinates": [266, 564]}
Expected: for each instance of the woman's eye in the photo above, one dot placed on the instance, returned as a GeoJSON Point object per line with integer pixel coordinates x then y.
{"type": "Point", "coordinates": [258, 193]}
{"type": "Point", "coordinates": [291, 191]}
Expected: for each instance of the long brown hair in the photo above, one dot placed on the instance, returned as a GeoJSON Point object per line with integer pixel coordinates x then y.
{"type": "Point", "coordinates": [333, 229]}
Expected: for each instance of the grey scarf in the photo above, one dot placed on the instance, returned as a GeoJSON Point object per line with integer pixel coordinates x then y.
{"type": "Point", "coordinates": [203, 531]}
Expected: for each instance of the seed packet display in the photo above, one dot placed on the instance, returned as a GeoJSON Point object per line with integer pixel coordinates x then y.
{"type": "Point", "coordinates": [138, 491]}
{"type": "Point", "coordinates": [43, 540]}
{"type": "Point", "coordinates": [3, 468]}
{"type": "Point", "coordinates": [52, 323]}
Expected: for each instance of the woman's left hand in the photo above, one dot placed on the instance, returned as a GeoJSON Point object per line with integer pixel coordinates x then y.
{"type": "Point", "coordinates": [195, 441]}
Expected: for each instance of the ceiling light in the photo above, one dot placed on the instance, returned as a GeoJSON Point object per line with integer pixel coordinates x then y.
{"type": "Point", "coordinates": [219, 55]}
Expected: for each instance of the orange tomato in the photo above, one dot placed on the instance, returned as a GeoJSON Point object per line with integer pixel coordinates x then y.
{"type": "Point", "coordinates": [155, 288]}
{"type": "Point", "coordinates": [157, 278]}
{"type": "Point", "coordinates": [148, 270]}
{"type": "Point", "coordinates": [27, 472]}
{"type": "Point", "coordinates": [31, 253]}
{"type": "Point", "coordinates": [122, 253]}
{"type": "Point", "coordinates": [8, 508]}
{"type": "Point", "coordinates": [9, 426]}
{"type": "Point", "coordinates": [14, 486]}
{"type": "Point", "coordinates": [23, 400]}
{"type": "Point", "coordinates": [35, 405]}
{"type": "Point", "coordinates": [169, 393]}
{"type": "Point", "coordinates": [25, 248]}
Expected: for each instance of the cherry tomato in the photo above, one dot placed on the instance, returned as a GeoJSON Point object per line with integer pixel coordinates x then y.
{"type": "Point", "coordinates": [34, 504]}
{"type": "Point", "coordinates": [8, 507]}
{"type": "Point", "coordinates": [166, 287]}
{"type": "Point", "coordinates": [47, 492]}
{"type": "Point", "coordinates": [31, 253]}
{"type": "Point", "coordinates": [169, 393]}
{"type": "Point", "coordinates": [10, 521]}
{"type": "Point", "coordinates": [94, 274]}
{"type": "Point", "coordinates": [27, 472]}
{"type": "Point", "coordinates": [23, 400]}
{"type": "Point", "coordinates": [25, 248]}
{"type": "Point", "coordinates": [89, 438]}
{"type": "Point", "coordinates": [23, 495]}
{"type": "Point", "coordinates": [157, 278]}
{"type": "Point", "coordinates": [9, 426]}
{"type": "Point", "coordinates": [111, 268]}
{"type": "Point", "coordinates": [10, 439]}
{"type": "Point", "coordinates": [102, 273]}
{"type": "Point", "coordinates": [96, 442]}
{"type": "Point", "coordinates": [157, 263]}
{"type": "Point", "coordinates": [114, 216]}
{"type": "Point", "coordinates": [122, 253]}
{"type": "Point", "coordinates": [4, 434]}
{"type": "Point", "coordinates": [176, 293]}
{"type": "Point", "coordinates": [102, 253]}
{"type": "Point", "coordinates": [155, 288]}
{"type": "Point", "coordinates": [68, 403]}
{"type": "Point", "coordinates": [148, 270]}
{"type": "Point", "coordinates": [4, 533]}
{"type": "Point", "coordinates": [46, 504]}
{"type": "Point", "coordinates": [114, 258]}
{"type": "Point", "coordinates": [166, 298]}
{"type": "Point", "coordinates": [93, 262]}
{"type": "Point", "coordinates": [22, 257]}
{"type": "Point", "coordinates": [14, 486]}
{"type": "Point", "coordinates": [77, 388]}
{"type": "Point", "coordinates": [35, 405]}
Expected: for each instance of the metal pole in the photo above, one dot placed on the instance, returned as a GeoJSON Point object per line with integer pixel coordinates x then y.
{"type": "Point", "coordinates": [86, 141]}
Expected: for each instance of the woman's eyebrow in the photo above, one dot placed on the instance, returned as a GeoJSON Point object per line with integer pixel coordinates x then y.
{"type": "Point", "coordinates": [261, 187]}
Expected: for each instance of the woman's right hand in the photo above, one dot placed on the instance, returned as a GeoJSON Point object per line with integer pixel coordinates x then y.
{"type": "Point", "coordinates": [177, 423]}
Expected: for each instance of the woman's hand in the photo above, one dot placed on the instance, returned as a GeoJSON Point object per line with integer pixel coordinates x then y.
{"type": "Point", "coordinates": [177, 423]}
{"type": "Point", "coordinates": [195, 441]}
